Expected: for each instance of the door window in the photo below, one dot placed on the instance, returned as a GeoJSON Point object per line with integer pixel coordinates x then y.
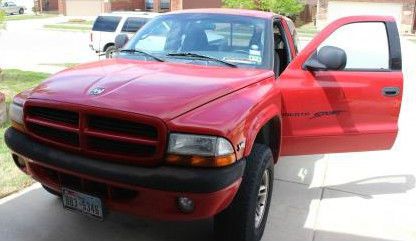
{"type": "Point", "coordinates": [106, 23]}
{"type": "Point", "coordinates": [133, 24]}
{"type": "Point", "coordinates": [366, 45]}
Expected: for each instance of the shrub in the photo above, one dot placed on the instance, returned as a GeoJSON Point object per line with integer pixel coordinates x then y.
{"type": "Point", "coordinates": [284, 7]}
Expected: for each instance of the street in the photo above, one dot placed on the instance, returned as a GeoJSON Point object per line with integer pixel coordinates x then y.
{"type": "Point", "coordinates": [365, 196]}
{"type": "Point", "coordinates": [25, 45]}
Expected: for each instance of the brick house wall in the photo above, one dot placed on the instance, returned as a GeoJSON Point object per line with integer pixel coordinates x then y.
{"type": "Point", "coordinates": [127, 5]}
{"type": "Point", "coordinates": [175, 5]}
{"type": "Point", "coordinates": [61, 7]}
{"type": "Point", "coordinates": [407, 16]}
{"type": "Point", "coordinates": [53, 5]}
{"type": "Point", "coordinates": [188, 4]}
{"type": "Point", "coordinates": [47, 5]}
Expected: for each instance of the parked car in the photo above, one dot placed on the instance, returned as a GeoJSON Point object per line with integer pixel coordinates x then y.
{"type": "Point", "coordinates": [190, 127]}
{"type": "Point", "coordinates": [12, 8]}
{"type": "Point", "coordinates": [107, 26]}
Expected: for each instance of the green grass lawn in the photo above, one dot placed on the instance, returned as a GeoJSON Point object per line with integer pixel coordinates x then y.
{"type": "Point", "coordinates": [80, 21]}
{"type": "Point", "coordinates": [66, 65]}
{"type": "Point", "coordinates": [68, 26]}
{"type": "Point", "coordinates": [307, 30]}
{"type": "Point", "coordinates": [72, 25]}
{"type": "Point", "coordinates": [2, 19]}
{"type": "Point", "coordinates": [29, 16]}
{"type": "Point", "coordinates": [12, 82]}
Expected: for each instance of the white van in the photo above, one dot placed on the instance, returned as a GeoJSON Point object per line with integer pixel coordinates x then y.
{"type": "Point", "coordinates": [107, 26]}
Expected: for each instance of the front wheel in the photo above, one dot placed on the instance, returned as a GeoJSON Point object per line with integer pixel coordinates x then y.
{"type": "Point", "coordinates": [21, 11]}
{"type": "Point", "coordinates": [110, 51]}
{"type": "Point", "coordinates": [245, 219]}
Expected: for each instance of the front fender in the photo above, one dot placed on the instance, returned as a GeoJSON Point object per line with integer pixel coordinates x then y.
{"type": "Point", "coordinates": [237, 116]}
{"type": "Point", "coordinates": [265, 115]}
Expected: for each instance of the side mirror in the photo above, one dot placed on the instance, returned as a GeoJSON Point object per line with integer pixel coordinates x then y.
{"type": "Point", "coordinates": [121, 40]}
{"type": "Point", "coordinates": [327, 58]}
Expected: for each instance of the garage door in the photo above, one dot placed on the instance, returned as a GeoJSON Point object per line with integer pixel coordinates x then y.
{"type": "Point", "coordinates": [341, 9]}
{"type": "Point", "coordinates": [84, 7]}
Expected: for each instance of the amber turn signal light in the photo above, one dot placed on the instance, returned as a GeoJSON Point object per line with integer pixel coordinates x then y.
{"type": "Point", "coordinates": [18, 126]}
{"type": "Point", "coordinates": [200, 161]}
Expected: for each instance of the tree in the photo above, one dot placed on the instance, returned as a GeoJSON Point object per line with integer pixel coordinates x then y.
{"type": "Point", "coordinates": [247, 4]}
{"type": "Point", "coordinates": [284, 7]}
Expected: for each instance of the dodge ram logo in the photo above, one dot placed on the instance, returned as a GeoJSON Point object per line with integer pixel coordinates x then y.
{"type": "Point", "coordinates": [96, 91]}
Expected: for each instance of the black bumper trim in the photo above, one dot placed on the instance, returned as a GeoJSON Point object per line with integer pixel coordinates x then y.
{"type": "Point", "coordinates": [166, 178]}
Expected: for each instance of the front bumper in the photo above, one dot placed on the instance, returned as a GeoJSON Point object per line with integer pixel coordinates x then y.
{"type": "Point", "coordinates": [146, 192]}
{"type": "Point", "coordinates": [93, 49]}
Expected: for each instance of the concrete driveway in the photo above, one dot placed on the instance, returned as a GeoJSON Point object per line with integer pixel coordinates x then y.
{"type": "Point", "coordinates": [356, 196]}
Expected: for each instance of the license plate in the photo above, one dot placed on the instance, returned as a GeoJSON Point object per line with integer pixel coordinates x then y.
{"type": "Point", "coordinates": [83, 203]}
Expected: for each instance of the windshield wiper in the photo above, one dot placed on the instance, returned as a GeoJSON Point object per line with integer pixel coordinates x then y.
{"type": "Point", "coordinates": [194, 55]}
{"type": "Point", "coordinates": [142, 52]}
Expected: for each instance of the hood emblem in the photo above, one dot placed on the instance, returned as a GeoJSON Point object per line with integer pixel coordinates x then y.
{"type": "Point", "coordinates": [96, 91]}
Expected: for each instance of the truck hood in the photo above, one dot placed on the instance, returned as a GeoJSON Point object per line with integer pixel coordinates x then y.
{"type": "Point", "coordinates": [164, 90]}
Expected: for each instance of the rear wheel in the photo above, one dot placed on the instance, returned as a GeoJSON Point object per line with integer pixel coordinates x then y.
{"type": "Point", "coordinates": [51, 191]}
{"type": "Point", "coordinates": [110, 51]}
{"type": "Point", "coordinates": [21, 11]}
{"type": "Point", "coordinates": [245, 219]}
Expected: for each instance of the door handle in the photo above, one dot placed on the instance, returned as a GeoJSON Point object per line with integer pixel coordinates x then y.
{"type": "Point", "coordinates": [391, 91]}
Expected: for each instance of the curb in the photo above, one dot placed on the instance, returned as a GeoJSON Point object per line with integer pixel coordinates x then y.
{"type": "Point", "coordinates": [9, 198]}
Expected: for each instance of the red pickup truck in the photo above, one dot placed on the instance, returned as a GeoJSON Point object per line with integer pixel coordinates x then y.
{"type": "Point", "coordinates": [189, 119]}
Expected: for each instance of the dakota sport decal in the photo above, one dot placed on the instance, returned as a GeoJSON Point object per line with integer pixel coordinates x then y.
{"type": "Point", "coordinates": [315, 115]}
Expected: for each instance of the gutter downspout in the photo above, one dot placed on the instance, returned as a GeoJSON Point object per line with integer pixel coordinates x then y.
{"type": "Point", "coordinates": [414, 19]}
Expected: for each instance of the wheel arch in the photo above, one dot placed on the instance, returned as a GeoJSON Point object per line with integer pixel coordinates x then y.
{"type": "Point", "coordinates": [269, 134]}
{"type": "Point", "coordinates": [107, 45]}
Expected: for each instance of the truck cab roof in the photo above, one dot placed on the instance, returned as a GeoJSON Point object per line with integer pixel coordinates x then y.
{"type": "Point", "coordinates": [132, 14]}
{"type": "Point", "coordinates": [231, 11]}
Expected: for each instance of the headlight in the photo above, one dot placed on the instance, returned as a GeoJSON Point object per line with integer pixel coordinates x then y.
{"type": "Point", "coordinates": [16, 113]}
{"type": "Point", "coordinates": [199, 145]}
{"type": "Point", "coordinates": [199, 150]}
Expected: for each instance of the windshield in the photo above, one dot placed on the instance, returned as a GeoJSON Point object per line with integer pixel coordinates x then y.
{"type": "Point", "coordinates": [238, 40]}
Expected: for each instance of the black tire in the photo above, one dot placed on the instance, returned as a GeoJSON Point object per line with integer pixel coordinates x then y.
{"type": "Point", "coordinates": [51, 191]}
{"type": "Point", "coordinates": [110, 51]}
{"type": "Point", "coordinates": [237, 222]}
{"type": "Point", "coordinates": [21, 11]}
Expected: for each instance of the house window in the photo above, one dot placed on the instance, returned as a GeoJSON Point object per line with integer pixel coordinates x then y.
{"type": "Point", "coordinates": [149, 5]}
{"type": "Point", "coordinates": [165, 5]}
